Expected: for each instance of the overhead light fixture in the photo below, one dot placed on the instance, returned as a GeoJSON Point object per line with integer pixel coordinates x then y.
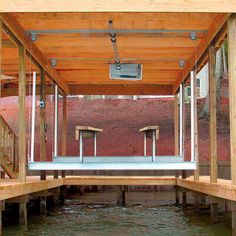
{"type": "Point", "coordinates": [130, 72]}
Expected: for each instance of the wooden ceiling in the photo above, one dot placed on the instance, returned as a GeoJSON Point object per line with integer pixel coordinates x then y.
{"type": "Point", "coordinates": [83, 58]}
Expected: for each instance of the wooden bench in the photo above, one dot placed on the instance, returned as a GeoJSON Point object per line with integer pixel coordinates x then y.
{"type": "Point", "coordinates": [150, 132]}
{"type": "Point", "coordinates": [88, 132]}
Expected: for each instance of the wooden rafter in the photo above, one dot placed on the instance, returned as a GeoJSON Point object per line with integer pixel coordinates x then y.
{"type": "Point", "coordinates": [117, 6]}
{"type": "Point", "coordinates": [215, 27]}
{"type": "Point", "coordinates": [20, 34]}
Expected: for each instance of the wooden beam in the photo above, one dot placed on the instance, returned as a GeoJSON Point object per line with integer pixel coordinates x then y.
{"type": "Point", "coordinates": [219, 189]}
{"type": "Point", "coordinates": [212, 110]}
{"type": "Point", "coordinates": [102, 77]}
{"type": "Point", "coordinates": [214, 28]}
{"type": "Point", "coordinates": [117, 6]}
{"type": "Point", "coordinates": [232, 91]}
{"type": "Point", "coordinates": [120, 89]}
{"type": "Point", "coordinates": [13, 25]}
{"type": "Point", "coordinates": [13, 91]}
{"type": "Point", "coordinates": [22, 117]}
{"type": "Point", "coordinates": [32, 185]}
{"type": "Point", "coordinates": [119, 180]}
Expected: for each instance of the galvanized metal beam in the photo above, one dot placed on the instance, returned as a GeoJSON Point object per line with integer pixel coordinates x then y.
{"type": "Point", "coordinates": [111, 166]}
{"type": "Point", "coordinates": [116, 31]}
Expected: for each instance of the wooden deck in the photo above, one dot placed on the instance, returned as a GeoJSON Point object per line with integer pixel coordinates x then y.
{"type": "Point", "coordinates": [14, 188]}
{"type": "Point", "coordinates": [222, 189]}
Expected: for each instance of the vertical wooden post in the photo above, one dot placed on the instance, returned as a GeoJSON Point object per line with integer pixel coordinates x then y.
{"type": "Point", "coordinates": [214, 212]}
{"type": "Point", "coordinates": [42, 122]}
{"type": "Point", "coordinates": [64, 130]}
{"type": "Point", "coordinates": [120, 195]}
{"type": "Point", "coordinates": [0, 222]}
{"type": "Point", "coordinates": [176, 123]}
{"type": "Point", "coordinates": [232, 91]}
{"type": "Point", "coordinates": [0, 56]}
{"type": "Point", "coordinates": [232, 105]}
{"type": "Point", "coordinates": [212, 108]}
{"type": "Point", "coordinates": [184, 194]}
{"type": "Point", "coordinates": [43, 204]}
{"type": "Point", "coordinates": [194, 125]}
{"type": "Point", "coordinates": [182, 131]}
{"type": "Point", "coordinates": [182, 121]}
{"type": "Point", "coordinates": [2, 207]}
{"type": "Point", "coordinates": [0, 98]}
{"type": "Point", "coordinates": [23, 210]}
{"type": "Point", "coordinates": [22, 118]}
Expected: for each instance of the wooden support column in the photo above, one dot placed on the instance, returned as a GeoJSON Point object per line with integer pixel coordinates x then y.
{"type": "Point", "coordinates": [64, 130]}
{"type": "Point", "coordinates": [56, 193]}
{"type": "Point", "coordinates": [42, 122]}
{"type": "Point", "coordinates": [176, 125]}
{"type": "Point", "coordinates": [212, 111]}
{"type": "Point", "coordinates": [43, 204]}
{"type": "Point", "coordinates": [62, 194]}
{"type": "Point", "coordinates": [194, 126]}
{"type": "Point", "coordinates": [81, 189]}
{"type": "Point", "coordinates": [0, 57]}
{"type": "Point", "coordinates": [182, 136]}
{"type": "Point", "coordinates": [233, 209]}
{"type": "Point", "coordinates": [120, 195]}
{"type": "Point", "coordinates": [23, 210]}
{"type": "Point", "coordinates": [2, 208]}
{"type": "Point", "coordinates": [232, 105]}
{"type": "Point", "coordinates": [232, 91]}
{"type": "Point", "coordinates": [0, 222]}
{"type": "Point", "coordinates": [22, 118]}
{"type": "Point", "coordinates": [213, 208]}
{"type": "Point", "coordinates": [184, 194]}
{"type": "Point", "coordinates": [196, 197]}
{"type": "Point", "coordinates": [214, 212]}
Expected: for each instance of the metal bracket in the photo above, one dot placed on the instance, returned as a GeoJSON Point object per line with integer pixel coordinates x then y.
{"type": "Point", "coordinates": [193, 35]}
{"type": "Point", "coordinates": [53, 62]}
{"type": "Point", "coordinates": [41, 104]}
{"type": "Point", "coordinates": [33, 37]}
{"type": "Point", "coordinates": [181, 63]}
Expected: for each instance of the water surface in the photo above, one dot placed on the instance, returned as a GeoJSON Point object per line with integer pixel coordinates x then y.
{"type": "Point", "coordinates": [76, 218]}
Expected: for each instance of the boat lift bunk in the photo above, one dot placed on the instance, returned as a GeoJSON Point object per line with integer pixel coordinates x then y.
{"type": "Point", "coordinates": [154, 162]}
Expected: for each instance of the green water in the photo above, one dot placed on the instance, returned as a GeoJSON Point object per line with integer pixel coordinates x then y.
{"type": "Point", "coordinates": [75, 218]}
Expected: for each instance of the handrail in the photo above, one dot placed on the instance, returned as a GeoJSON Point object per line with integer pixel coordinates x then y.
{"type": "Point", "coordinates": [9, 143]}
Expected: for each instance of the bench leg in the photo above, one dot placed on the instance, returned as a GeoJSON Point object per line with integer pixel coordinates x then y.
{"type": "Point", "coordinates": [95, 143]}
{"type": "Point", "coordinates": [145, 144]}
{"type": "Point", "coordinates": [81, 145]}
{"type": "Point", "coordinates": [153, 145]}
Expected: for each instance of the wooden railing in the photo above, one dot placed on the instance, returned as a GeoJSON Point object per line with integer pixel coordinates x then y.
{"type": "Point", "coordinates": [8, 149]}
